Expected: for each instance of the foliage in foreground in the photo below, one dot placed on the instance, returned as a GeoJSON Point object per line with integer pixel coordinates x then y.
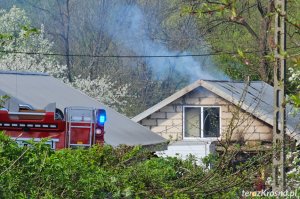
{"type": "Point", "coordinates": [99, 172]}
{"type": "Point", "coordinates": [107, 172]}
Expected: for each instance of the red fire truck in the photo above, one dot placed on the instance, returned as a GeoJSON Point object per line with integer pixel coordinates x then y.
{"type": "Point", "coordinates": [76, 127]}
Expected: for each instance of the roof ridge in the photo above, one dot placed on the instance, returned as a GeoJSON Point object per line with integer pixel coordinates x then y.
{"type": "Point", "coordinates": [231, 81]}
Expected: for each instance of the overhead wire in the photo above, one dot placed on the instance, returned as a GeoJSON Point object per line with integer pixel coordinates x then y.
{"type": "Point", "coordinates": [122, 56]}
{"type": "Point", "coordinates": [133, 56]}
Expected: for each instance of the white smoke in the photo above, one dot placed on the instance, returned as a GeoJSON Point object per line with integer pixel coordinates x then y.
{"type": "Point", "coordinates": [128, 28]}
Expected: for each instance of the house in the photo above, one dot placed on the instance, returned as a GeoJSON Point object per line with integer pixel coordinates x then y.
{"type": "Point", "coordinates": [210, 111]}
{"type": "Point", "coordinates": [39, 90]}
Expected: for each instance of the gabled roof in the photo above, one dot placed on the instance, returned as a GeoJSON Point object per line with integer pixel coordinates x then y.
{"type": "Point", "coordinates": [39, 90]}
{"type": "Point", "coordinates": [256, 98]}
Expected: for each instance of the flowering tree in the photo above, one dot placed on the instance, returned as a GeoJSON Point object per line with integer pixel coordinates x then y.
{"type": "Point", "coordinates": [295, 81]}
{"type": "Point", "coordinates": [293, 175]}
{"type": "Point", "coordinates": [20, 37]}
{"type": "Point", "coordinates": [104, 90]}
{"type": "Point", "coordinates": [19, 42]}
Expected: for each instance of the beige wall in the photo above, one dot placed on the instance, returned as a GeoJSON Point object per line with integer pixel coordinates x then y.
{"type": "Point", "coordinates": [168, 121]}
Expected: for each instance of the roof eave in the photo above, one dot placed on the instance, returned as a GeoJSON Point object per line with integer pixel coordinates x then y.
{"type": "Point", "coordinates": [167, 101]}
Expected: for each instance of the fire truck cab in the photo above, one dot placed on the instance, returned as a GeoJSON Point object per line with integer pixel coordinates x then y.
{"type": "Point", "coordinates": [75, 127]}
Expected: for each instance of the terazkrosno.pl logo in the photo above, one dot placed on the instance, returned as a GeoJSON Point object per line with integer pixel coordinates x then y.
{"type": "Point", "coordinates": [267, 193]}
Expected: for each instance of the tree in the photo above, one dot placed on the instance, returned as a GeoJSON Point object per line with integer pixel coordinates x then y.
{"type": "Point", "coordinates": [104, 90]}
{"type": "Point", "coordinates": [88, 34]}
{"type": "Point", "coordinates": [22, 38]}
{"type": "Point", "coordinates": [243, 26]}
{"type": "Point", "coordinates": [19, 37]}
{"type": "Point", "coordinates": [259, 39]}
{"type": "Point", "coordinates": [294, 80]}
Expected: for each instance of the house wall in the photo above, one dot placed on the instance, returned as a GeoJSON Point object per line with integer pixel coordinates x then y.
{"type": "Point", "coordinates": [168, 121]}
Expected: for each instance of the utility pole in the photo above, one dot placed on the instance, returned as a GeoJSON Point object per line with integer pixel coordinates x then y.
{"type": "Point", "coordinates": [279, 122]}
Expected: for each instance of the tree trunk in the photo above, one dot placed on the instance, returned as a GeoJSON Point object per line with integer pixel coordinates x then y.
{"type": "Point", "coordinates": [265, 69]}
{"type": "Point", "coordinates": [264, 66]}
{"type": "Point", "coordinates": [67, 44]}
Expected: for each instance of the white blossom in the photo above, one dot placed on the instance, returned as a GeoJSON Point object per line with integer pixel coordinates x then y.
{"type": "Point", "coordinates": [293, 175]}
{"type": "Point", "coordinates": [103, 89]}
{"type": "Point", "coordinates": [11, 23]}
{"type": "Point", "coordinates": [295, 76]}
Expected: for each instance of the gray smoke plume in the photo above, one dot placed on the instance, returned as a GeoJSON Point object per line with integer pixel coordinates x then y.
{"type": "Point", "coordinates": [126, 25]}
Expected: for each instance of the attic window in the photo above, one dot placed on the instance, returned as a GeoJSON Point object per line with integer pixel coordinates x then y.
{"type": "Point", "coordinates": [201, 122]}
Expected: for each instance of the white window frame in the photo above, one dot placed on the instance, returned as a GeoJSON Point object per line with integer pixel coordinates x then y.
{"type": "Point", "coordinates": [202, 138]}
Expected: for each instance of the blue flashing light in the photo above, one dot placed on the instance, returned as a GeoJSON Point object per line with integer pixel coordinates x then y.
{"type": "Point", "coordinates": [101, 117]}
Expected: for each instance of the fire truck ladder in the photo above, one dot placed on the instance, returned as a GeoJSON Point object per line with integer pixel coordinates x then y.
{"type": "Point", "coordinates": [79, 118]}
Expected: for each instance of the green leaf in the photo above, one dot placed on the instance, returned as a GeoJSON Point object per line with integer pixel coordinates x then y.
{"type": "Point", "coordinates": [6, 36]}
{"type": "Point", "coordinates": [240, 52]}
{"type": "Point", "coordinates": [233, 12]}
{"type": "Point", "coordinates": [284, 54]}
{"type": "Point", "coordinates": [295, 99]}
{"type": "Point", "coordinates": [29, 30]}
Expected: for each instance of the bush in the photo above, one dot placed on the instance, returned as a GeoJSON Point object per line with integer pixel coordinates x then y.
{"type": "Point", "coordinates": [35, 171]}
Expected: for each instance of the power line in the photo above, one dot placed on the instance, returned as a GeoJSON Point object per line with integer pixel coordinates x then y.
{"type": "Point", "coordinates": [133, 56]}
{"type": "Point", "coordinates": [122, 56]}
{"type": "Point", "coordinates": [126, 56]}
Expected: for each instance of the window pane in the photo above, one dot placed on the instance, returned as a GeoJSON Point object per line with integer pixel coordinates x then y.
{"type": "Point", "coordinates": [211, 121]}
{"type": "Point", "coordinates": [192, 122]}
